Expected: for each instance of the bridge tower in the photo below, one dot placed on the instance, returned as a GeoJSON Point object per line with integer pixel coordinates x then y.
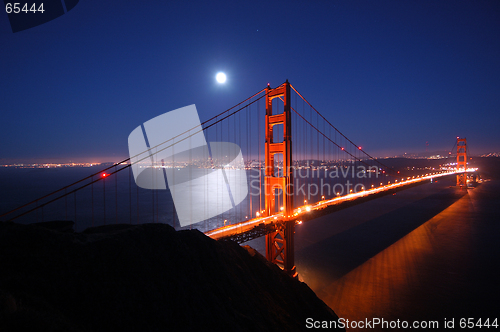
{"type": "Point", "coordinates": [461, 161]}
{"type": "Point", "coordinates": [279, 244]}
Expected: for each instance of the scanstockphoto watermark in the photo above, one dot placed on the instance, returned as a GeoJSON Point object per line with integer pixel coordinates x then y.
{"type": "Point", "coordinates": [376, 323]}
{"type": "Point", "coordinates": [310, 182]}
{"type": "Point", "coordinates": [310, 190]}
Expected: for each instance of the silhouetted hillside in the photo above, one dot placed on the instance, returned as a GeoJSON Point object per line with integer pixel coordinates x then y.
{"type": "Point", "coordinates": [143, 278]}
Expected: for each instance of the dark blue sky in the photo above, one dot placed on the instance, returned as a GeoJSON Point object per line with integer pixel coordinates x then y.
{"type": "Point", "coordinates": [390, 74]}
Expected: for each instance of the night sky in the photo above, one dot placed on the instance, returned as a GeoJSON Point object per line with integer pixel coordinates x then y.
{"type": "Point", "coordinates": [391, 75]}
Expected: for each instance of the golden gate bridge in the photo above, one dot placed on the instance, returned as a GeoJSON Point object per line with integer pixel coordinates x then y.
{"type": "Point", "coordinates": [298, 166]}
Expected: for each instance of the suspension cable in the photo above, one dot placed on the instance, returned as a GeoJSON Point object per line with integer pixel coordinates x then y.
{"type": "Point", "coordinates": [387, 167]}
{"type": "Point", "coordinates": [129, 160]}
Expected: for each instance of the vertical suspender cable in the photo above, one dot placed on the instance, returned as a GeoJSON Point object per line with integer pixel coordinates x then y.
{"type": "Point", "coordinates": [66, 202]}
{"type": "Point", "coordinates": [75, 209]}
{"type": "Point", "coordinates": [104, 198]}
{"type": "Point", "coordinates": [130, 194]}
{"type": "Point", "coordinates": [92, 198]}
{"type": "Point", "coordinates": [249, 155]}
{"type": "Point", "coordinates": [116, 196]}
{"type": "Point", "coordinates": [260, 169]}
{"type": "Point", "coordinates": [153, 175]}
{"type": "Point", "coordinates": [137, 207]}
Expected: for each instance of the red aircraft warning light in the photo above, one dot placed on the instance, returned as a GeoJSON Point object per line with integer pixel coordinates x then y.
{"type": "Point", "coordinates": [104, 175]}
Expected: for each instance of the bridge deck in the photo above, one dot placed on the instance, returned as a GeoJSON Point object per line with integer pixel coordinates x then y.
{"type": "Point", "coordinates": [256, 227]}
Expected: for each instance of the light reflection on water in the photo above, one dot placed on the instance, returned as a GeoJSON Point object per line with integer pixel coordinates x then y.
{"type": "Point", "coordinates": [424, 254]}
{"type": "Point", "coordinates": [401, 279]}
{"type": "Point", "coordinates": [440, 269]}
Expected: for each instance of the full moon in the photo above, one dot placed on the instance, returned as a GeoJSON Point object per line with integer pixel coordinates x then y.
{"type": "Point", "coordinates": [221, 77]}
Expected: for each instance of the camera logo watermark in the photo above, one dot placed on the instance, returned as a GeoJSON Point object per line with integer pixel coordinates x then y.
{"type": "Point", "coordinates": [205, 180]}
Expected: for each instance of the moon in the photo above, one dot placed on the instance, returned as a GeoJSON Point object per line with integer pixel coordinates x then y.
{"type": "Point", "coordinates": [220, 77]}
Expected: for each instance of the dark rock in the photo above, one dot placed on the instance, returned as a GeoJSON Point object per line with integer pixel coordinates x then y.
{"type": "Point", "coordinates": [106, 228]}
{"type": "Point", "coordinates": [57, 225]}
{"type": "Point", "coordinates": [144, 278]}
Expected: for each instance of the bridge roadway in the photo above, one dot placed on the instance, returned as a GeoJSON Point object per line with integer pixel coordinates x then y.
{"type": "Point", "coordinates": [261, 225]}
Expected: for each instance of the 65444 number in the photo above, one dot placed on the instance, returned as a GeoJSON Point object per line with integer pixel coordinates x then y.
{"type": "Point", "coordinates": [16, 8]}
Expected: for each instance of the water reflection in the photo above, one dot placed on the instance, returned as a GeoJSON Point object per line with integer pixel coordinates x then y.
{"type": "Point", "coordinates": [439, 270]}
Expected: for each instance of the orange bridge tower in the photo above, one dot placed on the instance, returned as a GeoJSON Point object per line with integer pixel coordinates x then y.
{"type": "Point", "coordinates": [279, 244]}
{"type": "Point", "coordinates": [462, 162]}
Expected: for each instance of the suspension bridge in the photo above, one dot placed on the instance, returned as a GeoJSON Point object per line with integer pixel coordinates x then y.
{"type": "Point", "coordinates": [295, 165]}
